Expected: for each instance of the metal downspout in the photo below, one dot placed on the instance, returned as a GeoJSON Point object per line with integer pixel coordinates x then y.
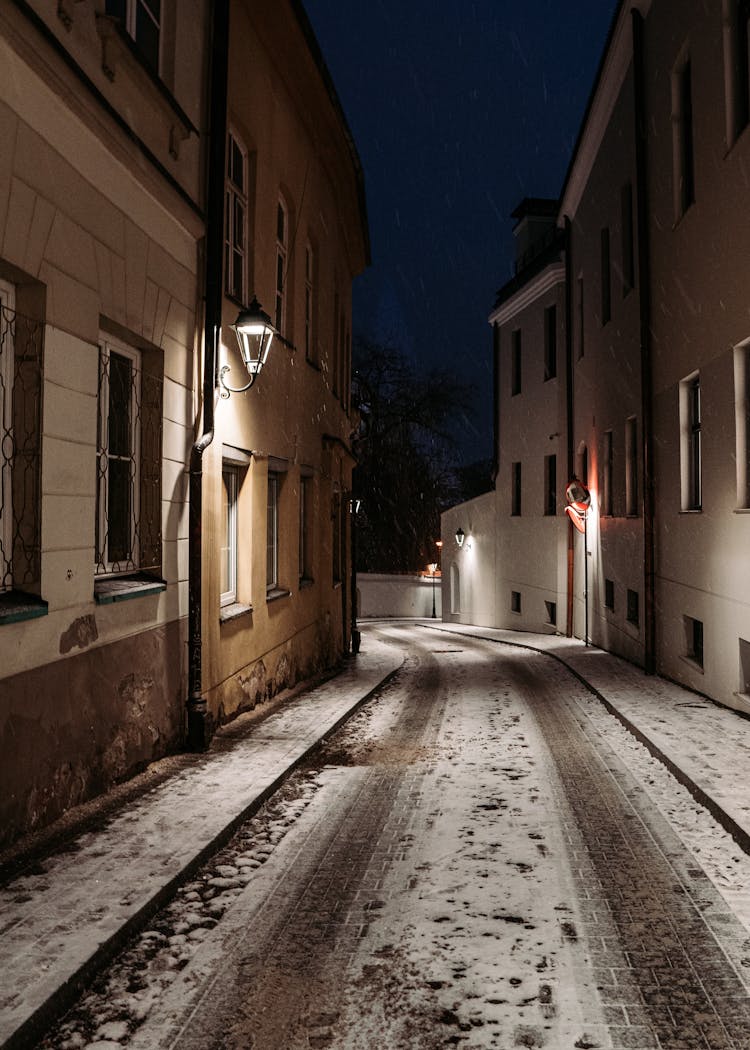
{"type": "Point", "coordinates": [569, 417]}
{"type": "Point", "coordinates": [644, 297]}
{"type": "Point", "coordinates": [198, 722]}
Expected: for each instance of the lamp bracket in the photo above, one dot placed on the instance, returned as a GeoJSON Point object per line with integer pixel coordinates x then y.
{"type": "Point", "coordinates": [232, 389]}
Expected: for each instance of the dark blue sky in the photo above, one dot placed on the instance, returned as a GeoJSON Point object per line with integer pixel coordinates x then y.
{"type": "Point", "coordinates": [459, 109]}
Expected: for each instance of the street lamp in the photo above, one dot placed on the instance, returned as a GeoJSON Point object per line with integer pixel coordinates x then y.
{"type": "Point", "coordinates": [255, 333]}
{"type": "Point", "coordinates": [433, 567]}
{"type": "Point", "coordinates": [460, 536]}
{"type": "Point", "coordinates": [579, 503]}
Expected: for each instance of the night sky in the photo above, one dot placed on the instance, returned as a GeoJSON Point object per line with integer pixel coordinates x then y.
{"type": "Point", "coordinates": [459, 109]}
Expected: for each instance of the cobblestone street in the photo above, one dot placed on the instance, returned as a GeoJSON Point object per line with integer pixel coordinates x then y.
{"type": "Point", "coordinates": [468, 862]}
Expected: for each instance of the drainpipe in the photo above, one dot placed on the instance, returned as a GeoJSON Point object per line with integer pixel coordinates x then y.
{"type": "Point", "coordinates": [644, 298]}
{"type": "Point", "coordinates": [198, 727]}
{"type": "Point", "coordinates": [569, 416]}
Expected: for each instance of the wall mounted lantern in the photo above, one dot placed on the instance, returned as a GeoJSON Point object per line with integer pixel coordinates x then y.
{"type": "Point", "coordinates": [460, 536]}
{"type": "Point", "coordinates": [579, 504]}
{"type": "Point", "coordinates": [255, 333]}
{"type": "Point", "coordinates": [579, 501]}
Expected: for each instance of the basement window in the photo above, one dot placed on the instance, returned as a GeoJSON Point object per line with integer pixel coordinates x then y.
{"type": "Point", "coordinates": [694, 640]}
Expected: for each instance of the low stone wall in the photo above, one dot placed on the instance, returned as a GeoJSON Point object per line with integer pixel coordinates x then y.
{"type": "Point", "coordinates": [384, 595]}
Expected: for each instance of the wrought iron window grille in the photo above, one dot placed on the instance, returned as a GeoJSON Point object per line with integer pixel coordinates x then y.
{"type": "Point", "coordinates": [128, 471]}
{"type": "Point", "coordinates": [21, 348]}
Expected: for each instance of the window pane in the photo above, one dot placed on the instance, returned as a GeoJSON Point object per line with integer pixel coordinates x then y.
{"type": "Point", "coordinates": [120, 386]}
{"type": "Point", "coordinates": [272, 533]}
{"type": "Point", "coordinates": [147, 35]}
{"type": "Point", "coordinates": [118, 511]}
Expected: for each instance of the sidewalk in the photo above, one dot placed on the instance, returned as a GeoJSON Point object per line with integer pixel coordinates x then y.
{"type": "Point", "coordinates": [60, 923]}
{"type": "Point", "coordinates": [706, 746]}
{"type": "Point", "coordinates": [65, 917]}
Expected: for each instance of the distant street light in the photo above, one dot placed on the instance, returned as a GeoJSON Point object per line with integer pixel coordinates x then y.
{"type": "Point", "coordinates": [433, 568]}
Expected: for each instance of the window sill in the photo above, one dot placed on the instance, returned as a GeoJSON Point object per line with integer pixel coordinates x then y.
{"type": "Point", "coordinates": [124, 588]}
{"type": "Point", "coordinates": [691, 510]}
{"type": "Point", "coordinates": [306, 582]}
{"type": "Point", "coordinates": [17, 605]}
{"type": "Point", "coordinates": [693, 663]}
{"type": "Point", "coordinates": [234, 611]}
{"type": "Point", "coordinates": [742, 510]}
{"type": "Point", "coordinates": [277, 592]}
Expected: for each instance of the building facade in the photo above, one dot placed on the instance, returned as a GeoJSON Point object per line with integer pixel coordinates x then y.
{"type": "Point", "coordinates": [654, 409]}
{"type": "Point", "coordinates": [277, 475]}
{"type": "Point", "coordinates": [106, 275]}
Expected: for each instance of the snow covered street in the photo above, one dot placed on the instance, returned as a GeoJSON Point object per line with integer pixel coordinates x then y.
{"type": "Point", "coordinates": [482, 856]}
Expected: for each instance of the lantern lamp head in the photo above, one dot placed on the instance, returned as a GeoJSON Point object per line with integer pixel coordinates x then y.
{"type": "Point", "coordinates": [255, 332]}
{"type": "Point", "coordinates": [460, 536]}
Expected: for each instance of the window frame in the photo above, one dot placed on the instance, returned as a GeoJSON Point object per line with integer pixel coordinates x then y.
{"type": "Point", "coordinates": [631, 467]}
{"type": "Point", "coordinates": [230, 470]}
{"type": "Point", "coordinates": [550, 342]}
{"type": "Point", "coordinates": [235, 198]}
{"type": "Point", "coordinates": [691, 443]}
{"type": "Point", "coordinates": [742, 422]}
{"type": "Point", "coordinates": [110, 567]}
{"type": "Point", "coordinates": [550, 485]}
{"type": "Point", "coordinates": [515, 362]}
{"type": "Point", "coordinates": [608, 474]}
{"type": "Point", "coordinates": [282, 265]}
{"type": "Point", "coordinates": [683, 141]}
{"type": "Point", "coordinates": [311, 336]}
{"type": "Point", "coordinates": [305, 528]}
{"type": "Point", "coordinates": [516, 498]}
{"type": "Point", "coordinates": [272, 531]}
{"type": "Point", "coordinates": [127, 11]}
{"type": "Point", "coordinates": [736, 15]}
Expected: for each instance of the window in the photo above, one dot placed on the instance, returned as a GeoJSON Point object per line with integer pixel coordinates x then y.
{"type": "Point", "coordinates": [633, 613]}
{"type": "Point", "coordinates": [626, 222]}
{"type": "Point", "coordinates": [580, 318]}
{"type": "Point", "coordinates": [282, 235]}
{"type": "Point", "coordinates": [608, 474]}
{"type": "Point", "coordinates": [311, 335]}
{"type": "Point", "coordinates": [736, 66]}
{"type": "Point", "coordinates": [631, 466]}
{"type": "Point", "coordinates": [272, 533]}
{"type": "Point", "coordinates": [305, 527]}
{"type": "Point", "coordinates": [228, 554]}
{"type": "Point", "coordinates": [141, 20]}
{"type": "Point", "coordinates": [609, 595]}
{"type": "Point", "coordinates": [550, 343]}
{"type": "Point", "coordinates": [515, 362]}
{"type": "Point", "coordinates": [744, 686]}
{"type": "Point", "coordinates": [690, 443]}
{"type": "Point", "coordinates": [683, 173]}
{"type": "Point", "coordinates": [515, 601]}
{"type": "Point", "coordinates": [694, 640]}
{"type": "Point", "coordinates": [20, 446]}
{"type": "Point", "coordinates": [128, 521]}
{"type": "Point", "coordinates": [551, 608]}
{"type": "Point", "coordinates": [606, 277]}
{"type": "Point", "coordinates": [742, 423]}
{"type": "Point", "coordinates": [550, 485]}
{"type": "Point", "coordinates": [235, 220]}
{"type": "Point", "coordinates": [515, 507]}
